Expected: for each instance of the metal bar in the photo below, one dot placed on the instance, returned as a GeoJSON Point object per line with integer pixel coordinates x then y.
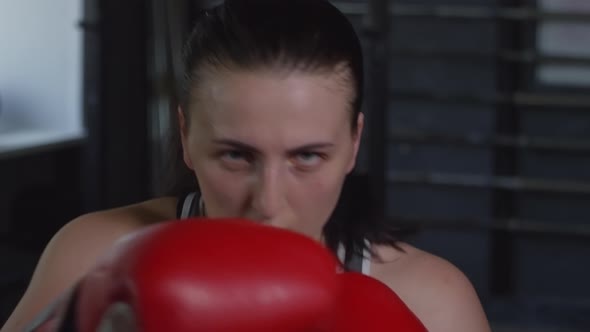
{"type": "Point", "coordinates": [124, 95]}
{"type": "Point", "coordinates": [565, 100]}
{"type": "Point", "coordinates": [513, 13]}
{"type": "Point", "coordinates": [485, 141]}
{"type": "Point", "coordinates": [470, 12]}
{"type": "Point", "coordinates": [376, 29]}
{"type": "Point", "coordinates": [498, 182]}
{"type": "Point", "coordinates": [526, 56]}
{"type": "Point", "coordinates": [512, 225]}
{"type": "Point", "coordinates": [93, 174]}
{"type": "Point", "coordinates": [177, 17]}
{"type": "Point", "coordinates": [513, 34]}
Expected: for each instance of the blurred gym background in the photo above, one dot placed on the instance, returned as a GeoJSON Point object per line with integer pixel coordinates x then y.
{"type": "Point", "coordinates": [478, 133]}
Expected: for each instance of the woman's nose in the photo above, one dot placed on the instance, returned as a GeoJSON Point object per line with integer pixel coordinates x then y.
{"type": "Point", "coordinates": [267, 196]}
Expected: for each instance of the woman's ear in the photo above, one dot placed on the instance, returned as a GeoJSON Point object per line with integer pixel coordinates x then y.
{"type": "Point", "coordinates": [183, 129]}
{"type": "Point", "coordinates": [356, 140]}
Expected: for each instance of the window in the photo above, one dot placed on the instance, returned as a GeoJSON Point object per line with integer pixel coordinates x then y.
{"type": "Point", "coordinates": [40, 73]}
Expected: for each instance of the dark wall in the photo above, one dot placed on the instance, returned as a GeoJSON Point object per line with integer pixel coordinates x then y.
{"type": "Point", "coordinates": [42, 190]}
{"type": "Point", "coordinates": [39, 193]}
{"type": "Point", "coordinates": [444, 117]}
{"type": "Point", "coordinates": [498, 185]}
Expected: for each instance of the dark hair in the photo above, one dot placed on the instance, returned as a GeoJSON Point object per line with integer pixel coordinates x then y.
{"type": "Point", "coordinates": [308, 35]}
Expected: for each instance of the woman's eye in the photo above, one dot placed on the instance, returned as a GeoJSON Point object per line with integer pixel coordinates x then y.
{"type": "Point", "coordinates": [235, 159]}
{"type": "Point", "coordinates": [308, 159]}
{"type": "Point", "coordinates": [233, 155]}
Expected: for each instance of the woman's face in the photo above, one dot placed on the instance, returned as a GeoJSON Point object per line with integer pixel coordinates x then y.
{"type": "Point", "coordinates": [271, 147]}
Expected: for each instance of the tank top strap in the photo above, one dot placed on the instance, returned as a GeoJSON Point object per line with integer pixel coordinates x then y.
{"type": "Point", "coordinates": [188, 205]}
{"type": "Point", "coordinates": [356, 263]}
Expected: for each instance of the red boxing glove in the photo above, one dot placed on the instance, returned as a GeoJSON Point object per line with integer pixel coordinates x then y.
{"type": "Point", "coordinates": [211, 276]}
{"type": "Point", "coordinates": [367, 305]}
{"type": "Point", "coordinates": [225, 275]}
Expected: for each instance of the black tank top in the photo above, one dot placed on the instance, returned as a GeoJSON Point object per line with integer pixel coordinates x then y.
{"type": "Point", "coordinates": [190, 205]}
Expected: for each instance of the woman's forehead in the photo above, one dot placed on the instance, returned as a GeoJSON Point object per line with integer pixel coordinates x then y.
{"type": "Point", "coordinates": [254, 101]}
{"type": "Point", "coordinates": [259, 85]}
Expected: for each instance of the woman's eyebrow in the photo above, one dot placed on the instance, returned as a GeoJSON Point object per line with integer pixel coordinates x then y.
{"type": "Point", "coordinates": [247, 147]}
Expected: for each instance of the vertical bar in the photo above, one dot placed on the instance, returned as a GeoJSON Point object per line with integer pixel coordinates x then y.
{"type": "Point", "coordinates": [92, 172]}
{"type": "Point", "coordinates": [124, 92]}
{"type": "Point", "coordinates": [177, 17]}
{"type": "Point", "coordinates": [169, 20]}
{"type": "Point", "coordinates": [509, 78]}
{"type": "Point", "coordinates": [377, 52]}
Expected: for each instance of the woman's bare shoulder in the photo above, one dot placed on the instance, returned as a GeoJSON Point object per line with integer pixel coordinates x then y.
{"type": "Point", "coordinates": [93, 233]}
{"type": "Point", "coordinates": [75, 249]}
{"type": "Point", "coordinates": [433, 288]}
{"type": "Point", "coordinates": [119, 220]}
{"type": "Point", "coordinates": [81, 241]}
{"type": "Point", "coordinates": [134, 215]}
{"type": "Point", "coordinates": [101, 228]}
